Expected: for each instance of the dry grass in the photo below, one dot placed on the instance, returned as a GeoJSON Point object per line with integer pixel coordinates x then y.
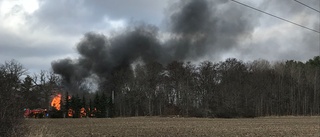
{"type": "Point", "coordinates": [158, 126]}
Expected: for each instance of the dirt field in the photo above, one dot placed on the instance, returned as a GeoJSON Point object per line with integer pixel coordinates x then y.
{"type": "Point", "coordinates": [158, 126]}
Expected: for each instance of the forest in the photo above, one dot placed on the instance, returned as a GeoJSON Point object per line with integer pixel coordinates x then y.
{"type": "Point", "coordinates": [227, 89]}
{"type": "Point", "coordinates": [230, 88]}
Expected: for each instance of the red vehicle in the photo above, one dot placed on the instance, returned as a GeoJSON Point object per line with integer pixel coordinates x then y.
{"type": "Point", "coordinates": [35, 113]}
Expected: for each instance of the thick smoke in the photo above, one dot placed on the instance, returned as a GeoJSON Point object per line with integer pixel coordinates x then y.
{"type": "Point", "coordinates": [198, 28]}
{"type": "Point", "coordinates": [101, 56]}
{"type": "Point", "coordinates": [203, 28]}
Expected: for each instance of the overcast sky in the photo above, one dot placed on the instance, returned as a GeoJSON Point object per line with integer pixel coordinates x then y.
{"type": "Point", "coordinates": [37, 32]}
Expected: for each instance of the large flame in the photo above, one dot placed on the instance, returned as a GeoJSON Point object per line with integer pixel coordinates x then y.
{"type": "Point", "coordinates": [56, 102]}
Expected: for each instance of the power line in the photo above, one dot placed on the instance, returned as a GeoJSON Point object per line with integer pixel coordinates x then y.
{"type": "Point", "coordinates": [276, 16]}
{"type": "Point", "coordinates": [319, 17]}
{"type": "Point", "coordinates": [307, 6]}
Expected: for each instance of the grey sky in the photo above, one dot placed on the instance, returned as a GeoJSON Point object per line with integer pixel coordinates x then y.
{"type": "Point", "coordinates": [36, 32]}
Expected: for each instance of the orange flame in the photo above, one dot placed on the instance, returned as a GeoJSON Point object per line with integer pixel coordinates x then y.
{"type": "Point", "coordinates": [56, 102]}
{"type": "Point", "coordinates": [83, 112]}
{"type": "Point", "coordinates": [70, 112]}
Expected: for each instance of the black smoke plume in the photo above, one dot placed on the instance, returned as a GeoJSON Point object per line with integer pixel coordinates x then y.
{"type": "Point", "coordinates": [197, 28]}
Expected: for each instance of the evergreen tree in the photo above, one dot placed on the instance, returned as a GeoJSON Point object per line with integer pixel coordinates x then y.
{"type": "Point", "coordinates": [76, 106]}
{"type": "Point", "coordinates": [103, 105]}
{"type": "Point", "coordinates": [90, 109]}
{"type": "Point", "coordinates": [84, 107]}
{"type": "Point", "coordinates": [96, 105]}
{"type": "Point", "coordinates": [67, 104]}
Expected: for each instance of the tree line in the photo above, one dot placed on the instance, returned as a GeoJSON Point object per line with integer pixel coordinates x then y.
{"type": "Point", "coordinates": [230, 88]}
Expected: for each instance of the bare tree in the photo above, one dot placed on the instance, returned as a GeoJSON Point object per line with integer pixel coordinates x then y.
{"type": "Point", "coordinates": [11, 98]}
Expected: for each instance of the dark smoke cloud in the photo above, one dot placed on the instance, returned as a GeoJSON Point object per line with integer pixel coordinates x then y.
{"type": "Point", "coordinates": [69, 70]}
{"type": "Point", "coordinates": [102, 55]}
{"type": "Point", "coordinates": [208, 28]}
{"type": "Point", "coordinates": [198, 28]}
{"type": "Point", "coordinates": [64, 67]}
{"type": "Point", "coordinates": [191, 25]}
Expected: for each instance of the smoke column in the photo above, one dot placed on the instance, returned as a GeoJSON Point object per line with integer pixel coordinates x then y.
{"type": "Point", "coordinates": [197, 28]}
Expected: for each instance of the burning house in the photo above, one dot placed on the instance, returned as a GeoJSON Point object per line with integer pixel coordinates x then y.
{"type": "Point", "coordinates": [56, 102]}
{"type": "Point", "coordinates": [54, 109]}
